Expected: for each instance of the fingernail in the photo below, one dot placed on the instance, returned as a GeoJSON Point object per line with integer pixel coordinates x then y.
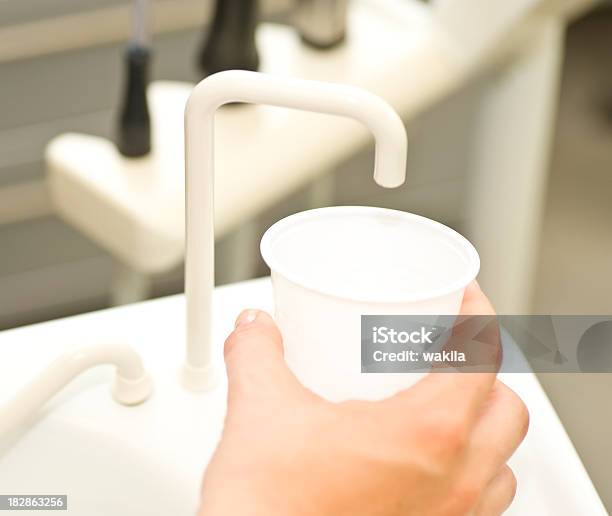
{"type": "Point", "coordinates": [246, 317]}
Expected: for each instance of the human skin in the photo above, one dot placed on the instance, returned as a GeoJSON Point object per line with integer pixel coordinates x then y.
{"type": "Point", "coordinates": [437, 448]}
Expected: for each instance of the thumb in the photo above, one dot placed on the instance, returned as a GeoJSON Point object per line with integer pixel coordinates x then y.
{"type": "Point", "coordinates": [254, 359]}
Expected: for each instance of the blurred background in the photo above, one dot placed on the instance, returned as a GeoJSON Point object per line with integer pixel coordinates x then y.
{"type": "Point", "coordinates": [509, 115]}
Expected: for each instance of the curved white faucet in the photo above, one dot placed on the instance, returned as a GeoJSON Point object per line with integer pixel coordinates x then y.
{"type": "Point", "coordinates": [252, 87]}
{"type": "Point", "coordinates": [132, 383]}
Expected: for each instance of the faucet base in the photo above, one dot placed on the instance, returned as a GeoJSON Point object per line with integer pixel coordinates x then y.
{"type": "Point", "coordinates": [199, 379]}
{"type": "Point", "coordinates": [132, 392]}
{"type": "Point", "coordinates": [323, 44]}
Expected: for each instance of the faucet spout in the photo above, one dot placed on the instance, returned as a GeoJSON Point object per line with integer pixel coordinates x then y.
{"type": "Point", "coordinates": [132, 383]}
{"type": "Point", "coordinates": [256, 88]}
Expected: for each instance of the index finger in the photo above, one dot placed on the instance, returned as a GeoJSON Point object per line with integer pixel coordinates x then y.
{"type": "Point", "coordinates": [475, 302]}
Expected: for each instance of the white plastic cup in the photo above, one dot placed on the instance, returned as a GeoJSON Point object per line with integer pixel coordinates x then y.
{"type": "Point", "coordinates": [331, 265]}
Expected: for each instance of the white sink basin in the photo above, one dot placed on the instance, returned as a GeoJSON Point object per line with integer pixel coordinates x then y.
{"type": "Point", "coordinates": [148, 460]}
{"type": "Point", "coordinates": [100, 474]}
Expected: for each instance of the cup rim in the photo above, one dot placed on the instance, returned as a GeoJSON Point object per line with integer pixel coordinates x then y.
{"type": "Point", "coordinates": [472, 265]}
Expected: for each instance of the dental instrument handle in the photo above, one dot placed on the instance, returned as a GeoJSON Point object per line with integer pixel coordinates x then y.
{"type": "Point", "coordinates": [240, 86]}
{"type": "Point", "coordinates": [132, 384]}
{"type": "Point", "coordinates": [141, 23]}
{"type": "Point", "coordinates": [230, 44]}
{"type": "Point", "coordinates": [134, 131]}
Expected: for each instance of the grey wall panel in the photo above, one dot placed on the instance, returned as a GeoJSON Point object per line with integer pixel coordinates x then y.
{"type": "Point", "coordinates": [75, 91]}
{"type": "Point", "coordinates": [19, 11]}
{"type": "Point", "coordinates": [58, 86]}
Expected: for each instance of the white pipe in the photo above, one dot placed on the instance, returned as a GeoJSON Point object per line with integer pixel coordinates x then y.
{"type": "Point", "coordinates": [257, 88]}
{"type": "Point", "coordinates": [132, 383]}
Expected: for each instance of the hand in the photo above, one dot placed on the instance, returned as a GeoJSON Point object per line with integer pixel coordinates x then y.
{"type": "Point", "coordinates": [437, 448]}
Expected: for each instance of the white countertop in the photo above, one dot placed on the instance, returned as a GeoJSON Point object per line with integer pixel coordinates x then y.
{"type": "Point", "coordinates": [175, 431]}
